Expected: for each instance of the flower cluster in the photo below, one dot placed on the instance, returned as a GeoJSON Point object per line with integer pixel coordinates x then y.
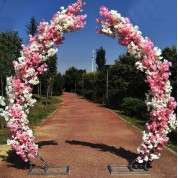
{"type": "Point", "coordinates": [159, 101]}
{"type": "Point", "coordinates": [27, 68]}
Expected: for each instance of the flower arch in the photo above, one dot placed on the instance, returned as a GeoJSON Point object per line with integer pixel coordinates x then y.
{"type": "Point", "coordinates": [27, 68]}
{"type": "Point", "coordinates": [158, 100]}
{"type": "Point", "coordinates": [31, 63]}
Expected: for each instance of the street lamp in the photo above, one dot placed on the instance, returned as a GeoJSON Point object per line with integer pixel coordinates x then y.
{"type": "Point", "coordinates": [92, 61]}
{"type": "Point", "coordinates": [107, 80]}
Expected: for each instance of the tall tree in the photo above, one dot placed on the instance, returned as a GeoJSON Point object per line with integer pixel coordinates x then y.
{"type": "Point", "coordinates": [72, 78]}
{"type": "Point", "coordinates": [170, 53]}
{"type": "Point", "coordinates": [58, 84]}
{"type": "Point", "coordinates": [32, 27]}
{"type": "Point", "coordinates": [47, 79]}
{"type": "Point", "coordinates": [10, 46]}
{"type": "Point", "coordinates": [125, 80]}
{"type": "Point", "coordinates": [100, 58]}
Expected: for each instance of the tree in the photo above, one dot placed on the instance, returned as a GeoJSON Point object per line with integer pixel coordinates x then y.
{"type": "Point", "coordinates": [10, 46]}
{"type": "Point", "coordinates": [32, 27]}
{"type": "Point", "coordinates": [72, 78]}
{"type": "Point", "coordinates": [47, 79]}
{"type": "Point", "coordinates": [58, 84]}
{"type": "Point", "coordinates": [100, 58]}
{"type": "Point", "coordinates": [125, 80]}
{"type": "Point", "coordinates": [170, 53]}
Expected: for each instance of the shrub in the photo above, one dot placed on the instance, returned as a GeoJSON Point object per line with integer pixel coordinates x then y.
{"type": "Point", "coordinates": [135, 107]}
{"type": "Point", "coordinates": [114, 98]}
{"type": "Point", "coordinates": [89, 94]}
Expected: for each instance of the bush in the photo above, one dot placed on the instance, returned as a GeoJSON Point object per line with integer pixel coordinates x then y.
{"type": "Point", "coordinates": [89, 94]}
{"type": "Point", "coordinates": [114, 98]}
{"type": "Point", "coordinates": [134, 107]}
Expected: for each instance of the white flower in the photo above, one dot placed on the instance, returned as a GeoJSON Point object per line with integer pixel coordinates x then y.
{"type": "Point", "coordinates": [115, 15]}
{"type": "Point", "coordinates": [145, 158]}
{"type": "Point", "coordinates": [30, 133]}
{"type": "Point", "coordinates": [168, 87]}
{"type": "Point", "coordinates": [154, 156]}
{"type": "Point", "coordinates": [52, 52]}
{"type": "Point", "coordinates": [140, 66]}
{"type": "Point", "coordinates": [29, 72]}
{"type": "Point", "coordinates": [34, 81]}
{"type": "Point", "coordinates": [157, 51]}
{"type": "Point", "coordinates": [2, 102]}
{"type": "Point", "coordinates": [62, 7]}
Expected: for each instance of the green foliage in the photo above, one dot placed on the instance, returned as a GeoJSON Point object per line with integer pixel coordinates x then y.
{"type": "Point", "coordinates": [124, 77]}
{"type": "Point", "coordinates": [100, 58]}
{"type": "Point", "coordinates": [89, 81]}
{"type": "Point", "coordinates": [134, 107]}
{"type": "Point", "coordinates": [58, 84]}
{"type": "Point", "coordinates": [10, 46]}
{"type": "Point", "coordinates": [72, 78]}
{"type": "Point", "coordinates": [40, 110]}
{"type": "Point", "coordinates": [4, 134]}
{"type": "Point", "coordinates": [32, 27]}
{"type": "Point", "coordinates": [170, 53]}
{"type": "Point", "coordinates": [114, 98]}
{"type": "Point", "coordinates": [89, 94]}
{"type": "Point", "coordinates": [48, 78]}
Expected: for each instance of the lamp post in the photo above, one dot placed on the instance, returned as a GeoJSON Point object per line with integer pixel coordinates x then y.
{"type": "Point", "coordinates": [107, 76]}
{"type": "Point", "coordinates": [107, 81]}
{"type": "Point", "coordinates": [92, 61]}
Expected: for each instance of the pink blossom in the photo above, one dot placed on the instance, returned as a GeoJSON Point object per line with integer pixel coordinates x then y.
{"type": "Point", "coordinates": [157, 72]}
{"type": "Point", "coordinates": [27, 68]}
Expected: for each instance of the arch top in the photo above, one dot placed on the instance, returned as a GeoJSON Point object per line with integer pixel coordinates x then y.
{"type": "Point", "coordinates": [31, 63]}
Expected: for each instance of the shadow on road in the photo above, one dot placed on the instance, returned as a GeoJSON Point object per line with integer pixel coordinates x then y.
{"type": "Point", "coordinates": [16, 161]}
{"type": "Point", "coordinates": [44, 143]}
{"type": "Point", "coordinates": [126, 154]}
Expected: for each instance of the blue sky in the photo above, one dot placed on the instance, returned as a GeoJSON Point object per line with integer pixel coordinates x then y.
{"type": "Point", "coordinates": [156, 19]}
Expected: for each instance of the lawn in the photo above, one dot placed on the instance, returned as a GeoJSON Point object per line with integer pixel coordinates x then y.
{"type": "Point", "coordinates": [37, 113]}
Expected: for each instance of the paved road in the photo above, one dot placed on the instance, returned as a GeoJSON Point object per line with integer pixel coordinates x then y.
{"type": "Point", "coordinates": [88, 138]}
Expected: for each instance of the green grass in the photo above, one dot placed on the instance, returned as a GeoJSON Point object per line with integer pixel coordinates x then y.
{"type": "Point", "coordinates": [4, 134]}
{"type": "Point", "coordinates": [140, 124]}
{"type": "Point", "coordinates": [37, 113]}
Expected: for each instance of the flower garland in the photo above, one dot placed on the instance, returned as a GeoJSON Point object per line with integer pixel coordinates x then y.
{"type": "Point", "coordinates": [27, 68]}
{"type": "Point", "coordinates": [159, 101]}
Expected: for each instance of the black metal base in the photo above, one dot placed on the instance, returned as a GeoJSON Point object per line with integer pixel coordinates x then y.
{"type": "Point", "coordinates": [49, 170]}
{"type": "Point", "coordinates": [132, 168]}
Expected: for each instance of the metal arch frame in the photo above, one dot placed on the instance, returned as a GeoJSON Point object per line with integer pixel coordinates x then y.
{"type": "Point", "coordinates": [132, 168]}
{"type": "Point", "coordinates": [46, 168]}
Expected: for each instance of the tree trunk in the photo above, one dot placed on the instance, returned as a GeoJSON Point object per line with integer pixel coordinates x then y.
{"type": "Point", "coordinates": [2, 86]}
{"type": "Point", "coordinates": [47, 95]}
{"type": "Point", "coordinates": [52, 90]}
{"type": "Point", "coordinates": [40, 87]}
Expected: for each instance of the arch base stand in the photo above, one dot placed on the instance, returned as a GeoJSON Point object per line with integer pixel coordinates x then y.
{"type": "Point", "coordinates": [133, 168]}
{"type": "Point", "coordinates": [47, 170]}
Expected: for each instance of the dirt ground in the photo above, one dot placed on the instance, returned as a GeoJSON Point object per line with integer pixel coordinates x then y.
{"type": "Point", "coordinates": [88, 138]}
